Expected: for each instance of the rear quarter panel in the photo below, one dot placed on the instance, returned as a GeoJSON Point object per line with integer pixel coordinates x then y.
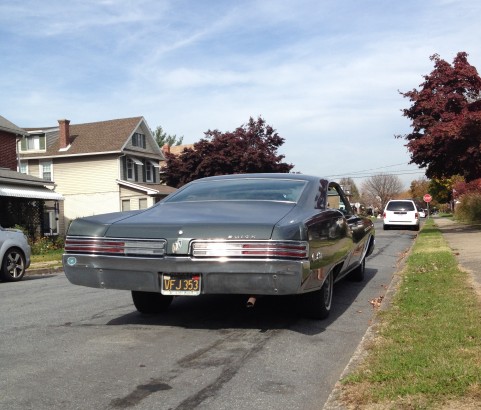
{"type": "Point", "coordinates": [330, 245]}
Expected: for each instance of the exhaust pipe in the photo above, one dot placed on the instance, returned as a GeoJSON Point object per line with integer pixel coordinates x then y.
{"type": "Point", "coordinates": [251, 302]}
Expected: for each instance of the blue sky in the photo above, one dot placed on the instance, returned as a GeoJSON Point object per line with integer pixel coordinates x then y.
{"type": "Point", "coordinates": [325, 74]}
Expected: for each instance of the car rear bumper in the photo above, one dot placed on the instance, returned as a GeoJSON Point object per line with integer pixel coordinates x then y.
{"type": "Point", "coordinates": [401, 223]}
{"type": "Point", "coordinates": [226, 276]}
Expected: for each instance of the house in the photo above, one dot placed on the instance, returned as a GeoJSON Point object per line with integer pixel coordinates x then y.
{"type": "Point", "coordinates": [98, 167]}
{"type": "Point", "coordinates": [25, 200]}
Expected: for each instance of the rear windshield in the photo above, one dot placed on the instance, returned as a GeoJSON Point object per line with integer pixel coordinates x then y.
{"type": "Point", "coordinates": [253, 189]}
{"type": "Point", "coordinates": [400, 206]}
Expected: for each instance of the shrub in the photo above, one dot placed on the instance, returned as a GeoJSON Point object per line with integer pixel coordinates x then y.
{"type": "Point", "coordinates": [46, 244]}
{"type": "Point", "coordinates": [469, 210]}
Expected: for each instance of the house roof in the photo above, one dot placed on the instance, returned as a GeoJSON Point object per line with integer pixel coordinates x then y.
{"type": "Point", "coordinates": [177, 149]}
{"type": "Point", "coordinates": [13, 177]}
{"type": "Point", "coordinates": [149, 189]}
{"type": "Point", "coordinates": [10, 127]}
{"type": "Point", "coordinates": [92, 138]}
{"type": "Point", "coordinates": [16, 184]}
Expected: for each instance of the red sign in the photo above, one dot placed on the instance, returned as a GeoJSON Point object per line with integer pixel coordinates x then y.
{"type": "Point", "coordinates": [427, 198]}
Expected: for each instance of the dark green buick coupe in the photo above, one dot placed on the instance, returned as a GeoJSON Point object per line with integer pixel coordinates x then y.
{"type": "Point", "coordinates": [250, 234]}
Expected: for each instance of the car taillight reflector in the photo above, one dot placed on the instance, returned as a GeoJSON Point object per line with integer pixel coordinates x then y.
{"type": "Point", "coordinates": [264, 249]}
{"type": "Point", "coordinates": [115, 246]}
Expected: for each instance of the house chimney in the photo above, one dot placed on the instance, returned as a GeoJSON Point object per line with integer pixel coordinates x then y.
{"type": "Point", "coordinates": [64, 131]}
{"type": "Point", "coordinates": [166, 149]}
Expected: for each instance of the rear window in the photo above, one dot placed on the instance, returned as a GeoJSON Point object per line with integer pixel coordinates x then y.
{"type": "Point", "coordinates": [249, 189]}
{"type": "Point", "coordinates": [400, 206]}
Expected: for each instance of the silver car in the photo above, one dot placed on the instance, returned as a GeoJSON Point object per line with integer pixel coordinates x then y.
{"type": "Point", "coordinates": [14, 254]}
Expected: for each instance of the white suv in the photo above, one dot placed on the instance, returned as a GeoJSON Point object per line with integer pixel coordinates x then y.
{"type": "Point", "coordinates": [401, 212]}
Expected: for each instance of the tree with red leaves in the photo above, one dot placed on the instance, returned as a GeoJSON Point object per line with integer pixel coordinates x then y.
{"type": "Point", "coordinates": [446, 120]}
{"type": "Point", "coordinates": [251, 148]}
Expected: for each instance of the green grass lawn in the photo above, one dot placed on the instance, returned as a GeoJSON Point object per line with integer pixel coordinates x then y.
{"type": "Point", "coordinates": [427, 350]}
{"type": "Point", "coordinates": [54, 255]}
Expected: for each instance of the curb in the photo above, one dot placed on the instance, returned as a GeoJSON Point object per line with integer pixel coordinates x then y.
{"type": "Point", "coordinates": [333, 401]}
{"type": "Point", "coordinates": [47, 270]}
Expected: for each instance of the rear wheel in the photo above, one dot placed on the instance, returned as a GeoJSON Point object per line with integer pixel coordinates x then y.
{"type": "Point", "coordinates": [357, 275]}
{"type": "Point", "coordinates": [13, 265]}
{"type": "Point", "coordinates": [151, 302]}
{"type": "Point", "coordinates": [317, 304]}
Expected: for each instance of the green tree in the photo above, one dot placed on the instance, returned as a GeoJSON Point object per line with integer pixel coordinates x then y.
{"type": "Point", "coordinates": [442, 188]}
{"type": "Point", "coordinates": [418, 188]}
{"type": "Point", "coordinates": [446, 120]}
{"type": "Point", "coordinates": [251, 148]}
{"type": "Point", "coordinates": [162, 138]}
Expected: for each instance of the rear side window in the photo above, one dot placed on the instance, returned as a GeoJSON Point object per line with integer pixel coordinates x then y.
{"type": "Point", "coordinates": [400, 206]}
{"type": "Point", "coordinates": [241, 189]}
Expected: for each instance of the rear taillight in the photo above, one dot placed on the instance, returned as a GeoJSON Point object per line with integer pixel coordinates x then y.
{"type": "Point", "coordinates": [115, 246]}
{"type": "Point", "coordinates": [255, 249]}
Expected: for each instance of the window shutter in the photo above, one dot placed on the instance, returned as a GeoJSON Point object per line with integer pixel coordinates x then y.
{"type": "Point", "coordinates": [123, 164]}
{"type": "Point", "coordinates": [41, 139]}
{"type": "Point", "coordinates": [23, 144]}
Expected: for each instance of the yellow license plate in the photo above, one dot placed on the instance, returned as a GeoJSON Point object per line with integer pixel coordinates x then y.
{"type": "Point", "coordinates": [186, 284]}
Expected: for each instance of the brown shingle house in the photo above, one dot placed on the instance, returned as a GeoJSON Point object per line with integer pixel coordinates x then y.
{"type": "Point", "coordinates": [98, 167]}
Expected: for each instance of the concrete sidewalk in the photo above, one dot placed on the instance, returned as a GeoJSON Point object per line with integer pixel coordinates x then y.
{"type": "Point", "coordinates": [465, 241]}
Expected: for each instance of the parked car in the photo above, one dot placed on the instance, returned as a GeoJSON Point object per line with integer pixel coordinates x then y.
{"type": "Point", "coordinates": [422, 213]}
{"type": "Point", "coordinates": [401, 213]}
{"type": "Point", "coordinates": [14, 254]}
{"type": "Point", "coordinates": [253, 234]}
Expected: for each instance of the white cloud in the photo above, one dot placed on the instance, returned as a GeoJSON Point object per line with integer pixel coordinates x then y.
{"type": "Point", "coordinates": [325, 74]}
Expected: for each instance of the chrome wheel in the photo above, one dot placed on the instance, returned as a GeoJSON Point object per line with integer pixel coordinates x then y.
{"type": "Point", "coordinates": [13, 266]}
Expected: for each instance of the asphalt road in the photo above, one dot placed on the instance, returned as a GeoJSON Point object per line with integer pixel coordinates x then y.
{"type": "Point", "coordinates": [69, 347]}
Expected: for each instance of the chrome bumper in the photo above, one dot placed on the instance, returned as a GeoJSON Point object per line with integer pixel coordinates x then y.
{"type": "Point", "coordinates": [226, 276]}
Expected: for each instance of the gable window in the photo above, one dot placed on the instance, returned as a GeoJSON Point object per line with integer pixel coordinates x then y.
{"type": "Point", "coordinates": [33, 143]}
{"type": "Point", "coordinates": [138, 140]}
{"type": "Point", "coordinates": [46, 170]}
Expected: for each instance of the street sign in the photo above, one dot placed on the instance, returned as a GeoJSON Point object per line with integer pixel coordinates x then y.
{"type": "Point", "coordinates": [427, 198]}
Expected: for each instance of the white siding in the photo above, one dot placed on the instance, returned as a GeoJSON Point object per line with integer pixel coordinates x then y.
{"type": "Point", "coordinates": [88, 185]}
{"type": "Point", "coordinates": [87, 175]}
{"type": "Point", "coordinates": [80, 205]}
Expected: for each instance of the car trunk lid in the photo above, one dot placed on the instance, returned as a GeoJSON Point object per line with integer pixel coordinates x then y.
{"type": "Point", "coordinates": [216, 220]}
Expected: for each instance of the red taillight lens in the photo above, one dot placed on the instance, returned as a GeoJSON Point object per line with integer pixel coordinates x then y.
{"type": "Point", "coordinates": [115, 246]}
{"type": "Point", "coordinates": [259, 249]}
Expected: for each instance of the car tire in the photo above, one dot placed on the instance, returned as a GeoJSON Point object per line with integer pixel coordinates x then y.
{"type": "Point", "coordinates": [317, 304]}
{"type": "Point", "coordinates": [151, 302]}
{"type": "Point", "coordinates": [357, 275]}
{"type": "Point", "coordinates": [385, 227]}
{"type": "Point", "coordinates": [13, 265]}
{"type": "Point", "coordinates": [416, 227]}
